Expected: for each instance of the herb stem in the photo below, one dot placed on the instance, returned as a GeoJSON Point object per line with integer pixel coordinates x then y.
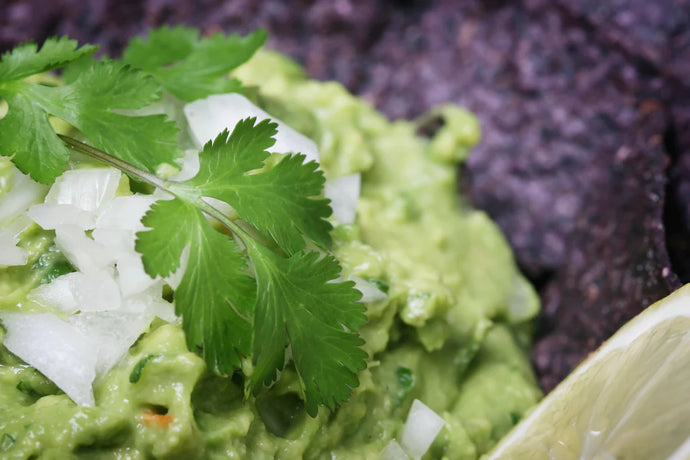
{"type": "Point", "coordinates": [116, 162]}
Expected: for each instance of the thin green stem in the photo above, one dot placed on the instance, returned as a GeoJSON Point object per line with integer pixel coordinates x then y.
{"type": "Point", "coordinates": [116, 162]}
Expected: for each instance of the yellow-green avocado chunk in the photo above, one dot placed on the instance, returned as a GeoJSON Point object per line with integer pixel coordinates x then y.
{"type": "Point", "coordinates": [452, 332]}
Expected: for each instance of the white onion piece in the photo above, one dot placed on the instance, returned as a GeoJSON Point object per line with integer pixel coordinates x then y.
{"type": "Point", "coordinates": [86, 188]}
{"type": "Point", "coordinates": [151, 301]}
{"type": "Point", "coordinates": [57, 294]}
{"type": "Point", "coordinates": [95, 290]}
{"type": "Point", "coordinates": [370, 293]}
{"type": "Point", "coordinates": [393, 451]}
{"type": "Point", "coordinates": [125, 212]}
{"type": "Point", "coordinates": [82, 252]}
{"type": "Point", "coordinates": [420, 430]}
{"type": "Point", "coordinates": [49, 216]}
{"type": "Point", "coordinates": [132, 278]}
{"type": "Point", "coordinates": [110, 333]}
{"type": "Point", "coordinates": [55, 348]}
{"type": "Point", "coordinates": [115, 240]}
{"type": "Point", "coordinates": [344, 194]}
{"type": "Point", "coordinates": [209, 117]}
{"type": "Point", "coordinates": [10, 254]}
{"type": "Point", "coordinates": [24, 193]}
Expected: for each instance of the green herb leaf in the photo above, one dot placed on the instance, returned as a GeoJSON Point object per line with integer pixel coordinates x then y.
{"type": "Point", "coordinates": [405, 384]}
{"type": "Point", "coordinates": [90, 104]}
{"type": "Point", "coordinates": [35, 150]}
{"type": "Point", "coordinates": [26, 60]}
{"type": "Point", "coordinates": [282, 202]}
{"type": "Point", "coordinates": [216, 295]}
{"type": "Point", "coordinates": [298, 304]}
{"type": "Point", "coordinates": [138, 368]}
{"type": "Point", "coordinates": [295, 302]}
{"type": "Point", "coordinates": [188, 67]}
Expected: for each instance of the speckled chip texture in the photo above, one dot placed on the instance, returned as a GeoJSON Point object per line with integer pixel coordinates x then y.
{"type": "Point", "coordinates": [583, 104]}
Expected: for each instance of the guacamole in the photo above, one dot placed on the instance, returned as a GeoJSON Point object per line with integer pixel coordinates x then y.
{"type": "Point", "coordinates": [452, 329]}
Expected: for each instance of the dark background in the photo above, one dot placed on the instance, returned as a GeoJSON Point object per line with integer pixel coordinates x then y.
{"type": "Point", "coordinates": [585, 108]}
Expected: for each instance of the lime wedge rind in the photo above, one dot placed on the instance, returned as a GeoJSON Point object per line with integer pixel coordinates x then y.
{"type": "Point", "coordinates": [628, 400]}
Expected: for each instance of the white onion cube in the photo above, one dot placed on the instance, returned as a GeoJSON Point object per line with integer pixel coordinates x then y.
{"type": "Point", "coordinates": [55, 348]}
{"type": "Point", "coordinates": [49, 216]}
{"type": "Point", "coordinates": [86, 188]}
{"type": "Point", "coordinates": [420, 430]}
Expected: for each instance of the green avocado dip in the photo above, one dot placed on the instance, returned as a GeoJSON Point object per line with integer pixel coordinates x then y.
{"type": "Point", "coordinates": [451, 325]}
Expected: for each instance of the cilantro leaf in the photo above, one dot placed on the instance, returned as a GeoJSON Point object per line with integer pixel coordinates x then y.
{"type": "Point", "coordinates": [26, 59]}
{"type": "Point", "coordinates": [216, 294]}
{"type": "Point", "coordinates": [281, 202]}
{"type": "Point", "coordinates": [90, 105]}
{"type": "Point", "coordinates": [36, 151]}
{"type": "Point", "coordinates": [188, 67]}
{"type": "Point", "coordinates": [299, 304]}
{"type": "Point", "coordinates": [296, 302]}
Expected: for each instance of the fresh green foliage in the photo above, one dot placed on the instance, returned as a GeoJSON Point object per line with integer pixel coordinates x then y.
{"type": "Point", "coordinates": [298, 304]}
{"type": "Point", "coordinates": [293, 302]}
{"type": "Point", "coordinates": [26, 60]}
{"type": "Point", "coordinates": [90, 104]}
{"type": "Point", "coordinates": [288, 189]}
{"type": "Point", "coordinates": [264, 288]}
{"type": "Point", "coordinates": [188, 67]}
{"type": "Point", "coordinates": [216, 294]}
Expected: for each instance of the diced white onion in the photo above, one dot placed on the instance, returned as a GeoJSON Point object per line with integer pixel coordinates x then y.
{"type": "Point", "coordinates": [56, 348]}
{"type": "Point", "coordinates": [344, 194]}
{"type": "Point", "coordinates": [95, 290]}
{"type": "Point", "coordinates": [10, 254]}
{"type": "Point", "coordinates": [420, 430]}
{"type": "Point", "coordinates": [82, 252]}
{"type": "Point", "coordinates": [125, 212]}
{"type": "Point", "coordinates": [151, 301]}
{"type": "Point", "coordinates": [24, 193]}
{"type": "Point", "coordinates": [115, 240]}
{"type": "Point", "coordinates": [49, 216]}
{"type": "Point", "coordinates": [132, 278]}
{"type": "Point", "coordinates": [393, 451]}
{"type": "Point", "coordinates": [111, 334]}
{"type": "Point", "coordinates": [370, 293]}
{"type": "Point", "coordinates": [86, 188]}
{"type": "Point", "coordinates": [57, 294]}
{"type": "Point", "coordinates": [209, 117]}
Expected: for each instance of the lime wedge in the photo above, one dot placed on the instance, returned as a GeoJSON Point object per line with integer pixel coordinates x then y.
{"type": "Point", "coordinates": [628, 400]}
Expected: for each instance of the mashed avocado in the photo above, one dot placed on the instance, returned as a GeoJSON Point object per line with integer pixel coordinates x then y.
{"type": "Point", "coordinates": [452, 331]}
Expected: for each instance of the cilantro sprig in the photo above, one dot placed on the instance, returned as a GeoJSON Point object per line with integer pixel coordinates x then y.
{"type": "Point", "coordinates": [264, 287]}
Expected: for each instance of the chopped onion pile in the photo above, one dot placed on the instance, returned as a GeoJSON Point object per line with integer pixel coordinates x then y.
{"type": "Point", "coordinates": [96, 313]}
{"type": "Point", "coordinates": [420, 430]}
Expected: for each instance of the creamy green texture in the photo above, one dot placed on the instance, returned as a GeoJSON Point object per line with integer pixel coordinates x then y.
{"type": "Point", "coordinates": [452, 332]}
